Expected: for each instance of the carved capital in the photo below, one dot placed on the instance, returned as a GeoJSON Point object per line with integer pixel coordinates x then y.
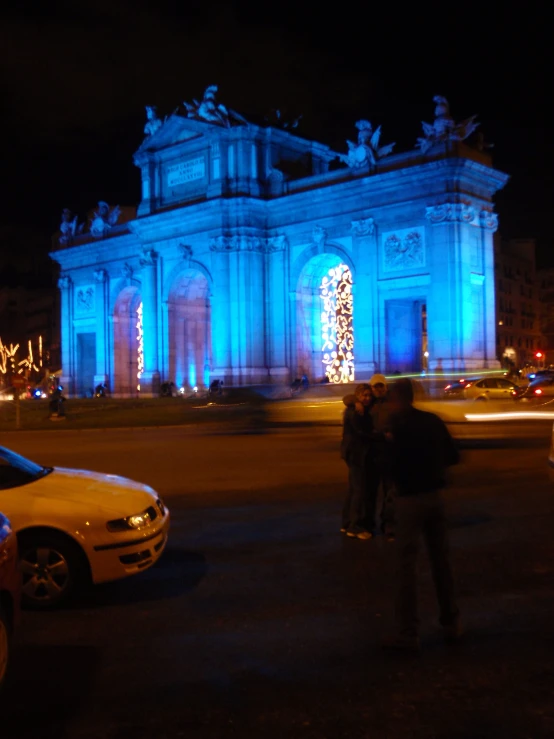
{"type": "Point", "coordinates": [149, 258]}
{"type": "Point", "coordinates": [100, 275]}
{"type": "Point", "coordinates": [276, 243]}
{"type": "Point", "coordinates": [488, 220]}
{"type": "Point", "coordinates": [64, 282]}
{"type": "Point", "coordinates": [365, 227]}
{"type": "Point", "coordinates": [450, 212]}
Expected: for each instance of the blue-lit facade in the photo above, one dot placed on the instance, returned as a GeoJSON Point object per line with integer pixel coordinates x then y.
{"type": "Point", "coordinates": [218, 273]}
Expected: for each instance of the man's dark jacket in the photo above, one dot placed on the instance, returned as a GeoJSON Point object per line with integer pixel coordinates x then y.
{"type": "Point", "coordinates": [421, 450]}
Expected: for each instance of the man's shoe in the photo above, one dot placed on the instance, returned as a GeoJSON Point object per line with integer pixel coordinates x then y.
{"type": "Point", "coordinates": [453, 633]}
{"type": "Point", "coordinates": [401, 644]}
{"type": "Point", "coordinates": [359, 534]}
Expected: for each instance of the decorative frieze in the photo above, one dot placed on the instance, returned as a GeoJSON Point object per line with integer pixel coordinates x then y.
{"type": "Point", "coordinates": [64, 282]}
{"type": "Point", "coordinates": [248, 244]}
{"type": "Point", "coordinates": [364, 227]}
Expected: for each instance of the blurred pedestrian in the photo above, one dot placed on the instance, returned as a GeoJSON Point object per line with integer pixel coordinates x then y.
{"type": "Point", "coordinates": [421, 451]}
{"type": "Point", "coordinates": [357, 438]}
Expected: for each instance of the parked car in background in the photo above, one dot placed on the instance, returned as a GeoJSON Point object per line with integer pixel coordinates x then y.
{"type": "Point", "coordinates": [10, 594]}
{"type": "Point", "coordinates": [482, 388]}
{"type": "Point", "coordinates": [539, 390]}
{"type": "Point", "coordinates": [74, 526]}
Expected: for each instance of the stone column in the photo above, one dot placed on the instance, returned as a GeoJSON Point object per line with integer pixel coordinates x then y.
{"type": "Point", "coordinates": [65, 284]}
{"type": "Point", "coordinates": [365, 309]}
{"type": "Point", "coordinates": [102, 333]}
{"type": "Point", "coordinates": [220, 312]}
{"type": "Point", "coordinates": [277, 350]}
{"type": "Point", "coordinates": [489, 223]}
{"type": "Point", "coordinates": [238, 309]}
{"type": "Point", "coordinates": [150, 378]}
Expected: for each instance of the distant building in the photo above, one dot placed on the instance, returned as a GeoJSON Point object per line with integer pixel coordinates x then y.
{"type": "Point", "coordinates": [519, 334]}
{"type": "Point", "coordinates": [256, 256]}
{"type": "Point", "coordinates": [546, 287]}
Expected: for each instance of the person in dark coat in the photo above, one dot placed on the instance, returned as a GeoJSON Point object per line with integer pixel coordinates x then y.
{"type": "Point", "coordinates": [421, 451]}
{"type": "Point", "coordinates": [377, 468]}
{"type": "Point", "coordinates": [357, 438]}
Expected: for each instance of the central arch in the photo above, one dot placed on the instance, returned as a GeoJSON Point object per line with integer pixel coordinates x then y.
{"type": "Point", "coordinates": [189, 329]}
{"type": "Point", "coordinates": [324, 329]}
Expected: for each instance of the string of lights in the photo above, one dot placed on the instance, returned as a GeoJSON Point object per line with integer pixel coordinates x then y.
{"type": "Point", "coordinates": [336, 324]}
{"type": "Point", "coordinates": [140, 345]}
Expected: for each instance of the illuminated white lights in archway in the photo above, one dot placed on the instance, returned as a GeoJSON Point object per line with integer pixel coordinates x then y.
{"type": "Point", "coordinates": [336, 324]}
{"type": "Point", "coordinates": [140, 345]}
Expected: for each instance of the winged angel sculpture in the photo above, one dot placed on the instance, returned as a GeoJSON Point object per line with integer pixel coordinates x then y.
{"type": "Point", "coordinates": [444, 128]}
{"type": "Point", "coordinates": [367, 151]}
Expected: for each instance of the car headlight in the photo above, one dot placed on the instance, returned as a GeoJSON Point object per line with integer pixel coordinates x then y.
{"type": "Point", "coordinates": [132, 523]}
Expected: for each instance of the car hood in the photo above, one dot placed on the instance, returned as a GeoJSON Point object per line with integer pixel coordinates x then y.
{"type": "Point", "coordinates": [111, 493]}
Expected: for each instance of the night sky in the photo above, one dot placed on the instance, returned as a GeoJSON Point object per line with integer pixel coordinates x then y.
{"type": "Point", "coordinates": [75, 77]}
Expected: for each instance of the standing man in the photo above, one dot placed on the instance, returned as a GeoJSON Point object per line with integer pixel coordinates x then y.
{"type": "Point", "coordinates": [357, 438]}
{"type": "Point", "coordinates": [380, 456]}
{"type": "Point", "coordinates": [421, 451]}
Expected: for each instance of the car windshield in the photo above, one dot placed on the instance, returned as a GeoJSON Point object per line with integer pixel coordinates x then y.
{"type": "Point", "coordinates": [23, 465]}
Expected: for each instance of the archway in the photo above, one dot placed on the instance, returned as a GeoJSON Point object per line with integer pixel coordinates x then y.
{"type": "Point", "coordinates": [189, 330]}
{"type": "Point", "coordinates": [324, 321]}
{"type": "Point", "coordinates": [127, 331]}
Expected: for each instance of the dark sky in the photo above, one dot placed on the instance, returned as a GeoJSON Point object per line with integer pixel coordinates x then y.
{"type": "Point", "coordinates": [75, 77]}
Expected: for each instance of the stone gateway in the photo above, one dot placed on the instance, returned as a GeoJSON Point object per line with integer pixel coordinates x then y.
{"type": "Point", "coordinates": [256, 257]}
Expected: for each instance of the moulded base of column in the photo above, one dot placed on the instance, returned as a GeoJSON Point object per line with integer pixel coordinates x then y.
{"type": "Point", "coordinates": [150, 384]}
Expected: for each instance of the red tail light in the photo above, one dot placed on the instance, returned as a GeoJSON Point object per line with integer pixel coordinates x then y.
{"type": "Point", "coordinates": [538, 391]}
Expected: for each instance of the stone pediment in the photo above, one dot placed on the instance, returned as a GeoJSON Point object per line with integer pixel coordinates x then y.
{"type": "Point", "coordinates": [176, 129]}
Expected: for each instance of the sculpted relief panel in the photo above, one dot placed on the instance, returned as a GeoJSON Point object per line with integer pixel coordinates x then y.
{"type": "Point", "coordinates": [403, 249]}
{"type": "Point", "coordinates": [84, 299]}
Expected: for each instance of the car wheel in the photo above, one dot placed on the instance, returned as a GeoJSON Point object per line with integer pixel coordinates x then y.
{"type": "Point", "coordinates": [5, 646]}
{"type": "Point", "coordinates": [51, 567]}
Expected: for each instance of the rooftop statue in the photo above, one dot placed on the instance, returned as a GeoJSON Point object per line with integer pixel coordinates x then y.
{"type": "Point", "coordinates": [104, 219]}
{"type": "Point", "coordinates": [444, 128]}
{"type": "Point", "coordinates": [276, 120]}
{"type": "Point", "coordinates": [68, 227]}
{"type": "Point", "coordinates": [212, 111]}
{"type": "Point", "coordinates": [153, 123]}
{"type": "Point", "coordinates": [367, 151]}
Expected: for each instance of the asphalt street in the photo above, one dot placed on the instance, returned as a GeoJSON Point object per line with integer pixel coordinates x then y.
{"type": "Point", "coordinates": [262, 620]}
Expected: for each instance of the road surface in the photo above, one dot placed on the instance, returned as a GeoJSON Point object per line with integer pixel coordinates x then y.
{"type": "Point", "coordinates": [261, 620]}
